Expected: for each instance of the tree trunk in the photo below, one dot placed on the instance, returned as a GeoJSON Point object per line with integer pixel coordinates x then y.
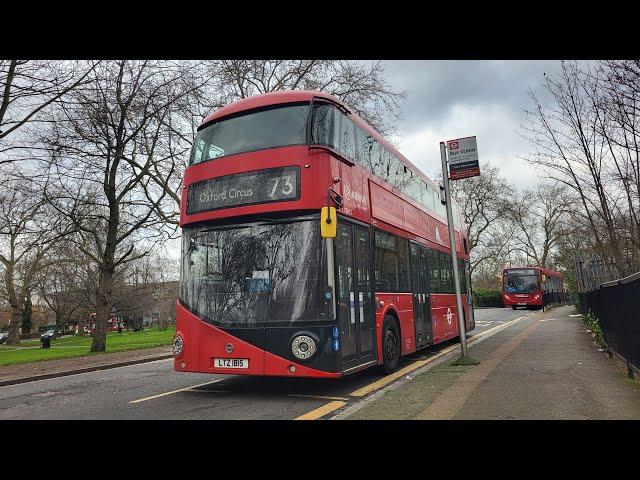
{"type": "Point", "coordinates": [14, 325]}
{"type": "Point", "coordinates": [80, 326]}
{"type": "Point", "coordinates": [57, 326]}
{"type": "Point", "coordinates": [103, 309]}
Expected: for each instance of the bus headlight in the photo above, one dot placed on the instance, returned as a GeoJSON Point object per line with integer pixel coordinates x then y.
{"type": "Point", "coordinates": [303, 347]}
{"type": "Point", "coordinates": [178, 343]}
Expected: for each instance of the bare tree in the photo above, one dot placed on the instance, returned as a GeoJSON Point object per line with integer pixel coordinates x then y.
{"type": "Point", "coordinates": [64, 285]}
{"type": "Point", "coordinates": [540, 216]}
{"type": "Point", "coordinates": [28, 230]}
{"type": "Point", "coordinates": [103, 145]}
{"type": "Point", "coordinates": [483, 203]}
{"type": "Point", "coordinates": [27, 88]}
{"type": "Point", "coordinates": [585, 136]}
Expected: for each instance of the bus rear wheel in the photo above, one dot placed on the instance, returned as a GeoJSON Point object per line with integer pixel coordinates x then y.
{"type": "Point", "coordinates": [514, 307]}
{"type": "Point", "coordinates": [390, 344]}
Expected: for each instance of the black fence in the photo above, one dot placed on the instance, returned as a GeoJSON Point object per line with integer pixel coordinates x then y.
{"type": "Point", "coordinates": [615, 304]}
{"type": "Point", "coordinates": [562, 297]}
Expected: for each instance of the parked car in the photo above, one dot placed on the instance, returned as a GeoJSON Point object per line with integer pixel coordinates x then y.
{"type": "Point", "coordinates": [48, 333]}
{"type": "Point", "coordinates": [4, 336]}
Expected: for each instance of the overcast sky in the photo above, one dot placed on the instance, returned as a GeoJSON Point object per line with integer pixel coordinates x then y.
{"type": "Point", "coordinates": [455, 99]}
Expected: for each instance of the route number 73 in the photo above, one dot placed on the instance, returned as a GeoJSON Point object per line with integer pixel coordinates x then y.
{"type": "Point", "coordinates": [285, 184]}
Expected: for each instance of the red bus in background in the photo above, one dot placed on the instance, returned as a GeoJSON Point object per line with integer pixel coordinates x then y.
{"type": "Point", "coordinates": [527, 286]}
{"type": "Point", "coordinates": [262, 293]}
{"type": "Point", "coordinates": [112, 324]}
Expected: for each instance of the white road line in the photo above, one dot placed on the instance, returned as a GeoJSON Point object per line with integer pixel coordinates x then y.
{"type": "Point", "coordinates": [175, 391]}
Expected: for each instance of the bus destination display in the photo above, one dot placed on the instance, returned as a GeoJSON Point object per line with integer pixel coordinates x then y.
{"type": "Point", "coordinates": [248, 188]}
{"type": "Point", "coordinates": [521, 272]}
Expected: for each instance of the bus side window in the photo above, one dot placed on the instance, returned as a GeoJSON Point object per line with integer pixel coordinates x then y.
{"type": "Point", "coordinates": [347, 139]}
{"type": "Point", "coordinates": [366, 152]}
{"type": "Point", "coordinates": [324, 125]}
{"type": "Point", "coordinates": [446, 273]}
{"type": "Point", "coordinates": [385, 166]}
{"type": "Point", "coordinates": [434, 271]}
{"type": "Point", "coordinates": [376, 159]}
{"type": "Point", "coordinates": [403, 263]}
{"type": "Point", "coordinates": [461, 277]}
{"type": "Point", "coordinates": [391, 263]}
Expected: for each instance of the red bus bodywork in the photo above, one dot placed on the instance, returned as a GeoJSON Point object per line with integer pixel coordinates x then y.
{"type": "Point", "coordinates": [533, 298]}
{"type": "Point", "coordinates": [367, 200]}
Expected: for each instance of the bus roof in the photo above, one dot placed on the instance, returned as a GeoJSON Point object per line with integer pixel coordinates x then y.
{"type": "Point", "coordinates": [291, 96]}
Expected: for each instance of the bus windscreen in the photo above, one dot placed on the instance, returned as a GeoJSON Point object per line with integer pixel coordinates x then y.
{"type": "Point", "coordinates": [278, 126]}
{"type": "Point", "coordinates": [521, 281]}
{"type": "Point", "coordinates": [255, 274]}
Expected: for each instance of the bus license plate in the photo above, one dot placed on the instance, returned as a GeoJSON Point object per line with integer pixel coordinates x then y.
{"type": "Point", "coordinates": [231, 362]}
{"type": "Point", "coordinates": [521, 303]}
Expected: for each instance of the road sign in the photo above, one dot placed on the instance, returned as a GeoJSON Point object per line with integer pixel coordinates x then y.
{"type": "Point", "coordinates": [463, 158]}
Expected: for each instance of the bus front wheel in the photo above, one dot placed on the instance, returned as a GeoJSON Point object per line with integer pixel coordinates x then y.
{"type": "Point", "coordinates": [514, 307]}
{"type": "Point", "coordinates": [390, 344]}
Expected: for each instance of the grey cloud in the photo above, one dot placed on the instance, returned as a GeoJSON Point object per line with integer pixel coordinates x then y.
{"type": "Point", "coordinates": [435, 87]}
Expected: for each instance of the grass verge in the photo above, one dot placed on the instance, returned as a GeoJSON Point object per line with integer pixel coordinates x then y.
{"type": "Point", "coordinates": [79, 346]}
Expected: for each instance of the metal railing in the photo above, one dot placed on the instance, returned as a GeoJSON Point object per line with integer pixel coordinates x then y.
{"type": "Point", "coordinates": [615, 304]}
{"type": "Point", "coordinates": [560, 297]}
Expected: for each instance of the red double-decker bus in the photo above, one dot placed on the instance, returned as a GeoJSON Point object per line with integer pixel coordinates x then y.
{"type": "Point", "coordinates": [262, 292]}
{"type": "Point", "coordinates": [527, 286]}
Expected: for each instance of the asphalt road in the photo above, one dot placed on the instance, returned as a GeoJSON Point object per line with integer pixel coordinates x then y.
{"type": "Point", "coordinates": [154, 391]}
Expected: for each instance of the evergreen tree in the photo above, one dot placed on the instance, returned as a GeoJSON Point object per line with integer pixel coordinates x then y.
{"type": "Point", "coordinates": [26, 317]}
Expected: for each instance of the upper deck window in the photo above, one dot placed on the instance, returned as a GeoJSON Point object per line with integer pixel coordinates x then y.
{"type": "Point", "coordinates": [276, 126]}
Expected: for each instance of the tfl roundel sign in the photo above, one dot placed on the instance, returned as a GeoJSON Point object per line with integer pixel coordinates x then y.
{"type": "Point", "coordinates": [463, 158]}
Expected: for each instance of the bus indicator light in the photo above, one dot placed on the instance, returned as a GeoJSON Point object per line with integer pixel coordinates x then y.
{"type": "Point", "coordinates": [336, 345]}
{"type": "Point", "coordinates": [336, 332]}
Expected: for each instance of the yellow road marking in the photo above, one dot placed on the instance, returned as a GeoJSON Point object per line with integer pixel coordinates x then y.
{"type": "Point", "coordinates": [319, 397]}
{"type": "Point", "coordinates": [361, 392]}
{"type": "Point", "coordinates": [322, 411]}
{"type": "Point", "coordinates": [174, 391]}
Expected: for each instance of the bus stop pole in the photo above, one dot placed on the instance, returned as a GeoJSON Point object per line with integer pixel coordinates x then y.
{"type": "Point", "coordinates": [454, 256]}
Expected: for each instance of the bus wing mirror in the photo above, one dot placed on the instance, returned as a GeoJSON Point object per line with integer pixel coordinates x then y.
{"type": "Point", "coordinates": [328, 222]}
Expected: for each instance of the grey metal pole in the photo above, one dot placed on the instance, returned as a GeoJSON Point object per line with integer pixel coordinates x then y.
{"type": "Point", "coordinates": [454, 256]}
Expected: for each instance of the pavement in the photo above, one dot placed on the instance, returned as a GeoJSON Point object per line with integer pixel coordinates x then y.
{"type": "Point", "coordinates": [28, 372]}
{"type": "Point", "coordinates": [543, 366]}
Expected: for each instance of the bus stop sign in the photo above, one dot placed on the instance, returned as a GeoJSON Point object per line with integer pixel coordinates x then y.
{"type": "Point", "coordinates": [463, 158]}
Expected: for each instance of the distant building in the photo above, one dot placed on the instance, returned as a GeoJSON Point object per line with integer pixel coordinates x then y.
{"type": "Point", "coordinates": [40, 317]}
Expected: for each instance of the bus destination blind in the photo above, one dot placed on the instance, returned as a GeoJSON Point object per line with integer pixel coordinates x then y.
{"type": "Point", "coordinates": [248, 188]}
{"type": "Point", "coordinates": [521, 272]}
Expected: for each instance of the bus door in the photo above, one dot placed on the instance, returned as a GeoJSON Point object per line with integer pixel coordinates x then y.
{"type": "Point", "coordinates": [354, 294]}
{"type": "Point", "coordinates": [420, 290]}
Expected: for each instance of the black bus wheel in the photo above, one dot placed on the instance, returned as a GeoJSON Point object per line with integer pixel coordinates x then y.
{"type": "Point", "coordinates": [390, 344]}
{"type": "Point", "coordinates": [514, 307]}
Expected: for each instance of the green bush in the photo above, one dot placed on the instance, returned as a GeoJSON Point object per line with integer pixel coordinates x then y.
{"type": "Point", "coordinates": [487, 298]}
{"type": "Point", "coordinates": [592, 322]}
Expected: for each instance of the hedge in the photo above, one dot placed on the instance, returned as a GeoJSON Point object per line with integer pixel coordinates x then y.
{"type": "Point", "coordinates": [487, 298]}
